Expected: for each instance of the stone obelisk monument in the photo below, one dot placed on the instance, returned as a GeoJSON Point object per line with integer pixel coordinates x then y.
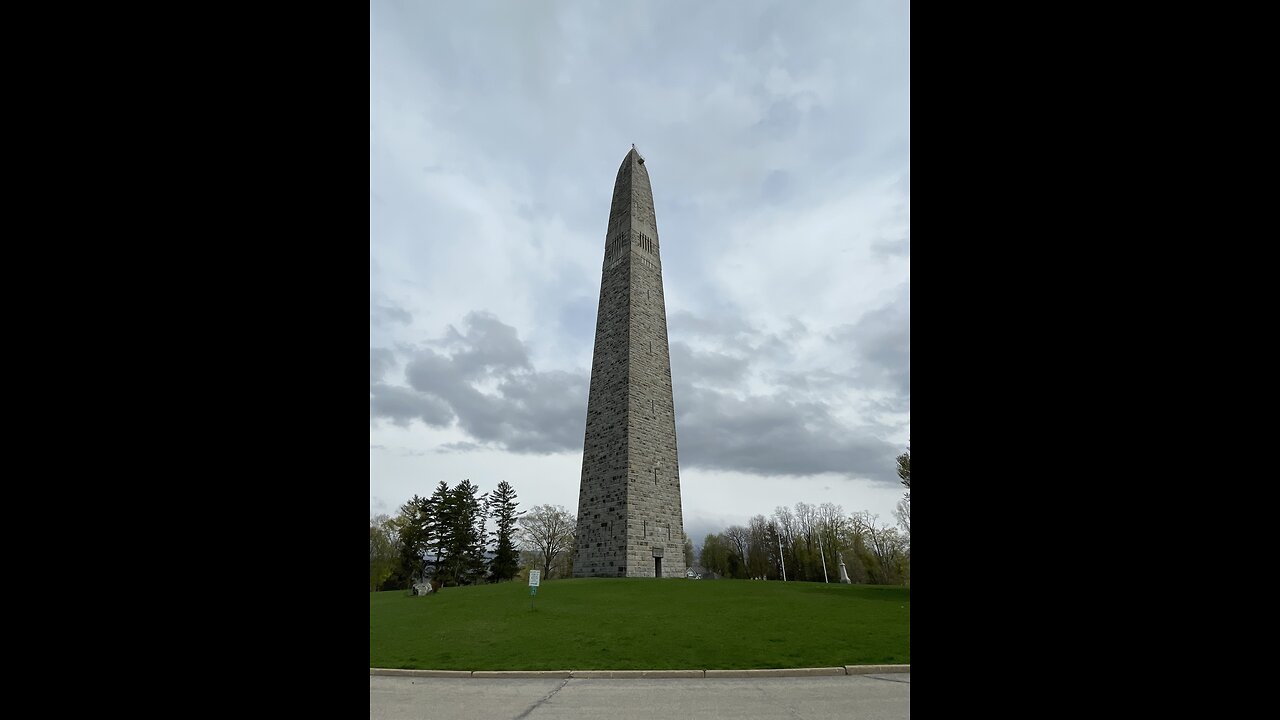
{"type": "Point", "coordinates": [629, 518]}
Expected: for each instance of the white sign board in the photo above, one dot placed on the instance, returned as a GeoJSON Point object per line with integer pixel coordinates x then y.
{"type": "Point", "coordinates": [535, 577]}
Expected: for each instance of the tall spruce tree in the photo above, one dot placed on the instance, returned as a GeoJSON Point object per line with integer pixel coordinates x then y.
{"type": "Point", "coordinates": [502, 508]}
{"type": "Point", "coordinates": [460, 521]}
{"type": "Point", "coordinates": [436, 531]}
{"type": "Point", "coordinates": [904, 470]}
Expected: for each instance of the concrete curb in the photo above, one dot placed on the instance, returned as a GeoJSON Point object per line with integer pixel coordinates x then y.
{"type": "Point", "coordinates": [638, 673]}
{"type": "Point", "coordinates": [876, 669]}
{"type": "Point", "coordinates": [520, 674]}
{"type": "Point", "coordinates": [614, 674]}
{"type": "Point", "coordinates": [420, 673]}
{"type": "Point", "coordinates": [776, 672]}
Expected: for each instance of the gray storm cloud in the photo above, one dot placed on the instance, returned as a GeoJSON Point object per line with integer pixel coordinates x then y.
{"type": "Point", "coordinates": [480, 378]}
{"type": "Point", "coordinates": [484, 383]}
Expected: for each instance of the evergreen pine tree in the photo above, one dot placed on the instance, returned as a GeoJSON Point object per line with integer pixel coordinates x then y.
{"type": "Point", "coordinates": [461, 535]}
{"type": "Point", "coordinates": [437, 531]}
{"type": "Point", "coordinates": [502, 508]}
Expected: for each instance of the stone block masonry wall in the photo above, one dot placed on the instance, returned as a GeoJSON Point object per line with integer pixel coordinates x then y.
{"type": "Point", "coordinates": [629, 507]}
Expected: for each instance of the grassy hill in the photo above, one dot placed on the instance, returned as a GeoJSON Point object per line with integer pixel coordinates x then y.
{"type": "Point", "coordinates": [638, 623]}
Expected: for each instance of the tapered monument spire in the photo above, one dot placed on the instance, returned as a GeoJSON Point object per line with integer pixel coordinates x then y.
{"type": "Point", "coordinates": [629, 519]}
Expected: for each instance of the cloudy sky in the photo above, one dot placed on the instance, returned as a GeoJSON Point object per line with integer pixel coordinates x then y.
{"type": "Point", "coordinates": [777, 138]}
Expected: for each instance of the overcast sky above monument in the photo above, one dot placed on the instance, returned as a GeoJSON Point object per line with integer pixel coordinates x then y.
{"type": "Point", "coordinates": [777, 139]}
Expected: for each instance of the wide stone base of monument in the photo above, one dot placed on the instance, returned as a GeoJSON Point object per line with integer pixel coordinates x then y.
{"type": "Point", "coordinates": [645, 562]}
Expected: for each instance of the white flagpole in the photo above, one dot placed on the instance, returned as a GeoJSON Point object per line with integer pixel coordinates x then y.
{"type": "Point", "coordinates": [824, 559]}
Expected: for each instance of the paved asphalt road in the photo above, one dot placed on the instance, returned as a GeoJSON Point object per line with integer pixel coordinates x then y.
{"type": "Point", "coordinates": [864, 697]}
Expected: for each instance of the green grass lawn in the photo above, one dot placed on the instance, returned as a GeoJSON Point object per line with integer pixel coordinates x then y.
{"type": "Point", "coordinates": [641, 624]}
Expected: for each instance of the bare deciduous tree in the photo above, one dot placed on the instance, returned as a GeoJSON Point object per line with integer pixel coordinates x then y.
{"type": "Point", "coordinates": [886, 546]}
{"type": "Point", "coordinates": [758, 556]}
{"type": "Point", "coordinates": [384, 550]}
{"type": "Point", "coordinates": [549, 531]}
{"type": "Point", "coordinates": [739, 541]}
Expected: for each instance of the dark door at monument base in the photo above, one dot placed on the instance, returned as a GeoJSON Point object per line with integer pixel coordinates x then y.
{"type": "Point", "coordinates": [657, 567]}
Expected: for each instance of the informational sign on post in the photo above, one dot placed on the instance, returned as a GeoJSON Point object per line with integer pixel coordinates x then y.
{"type": "Point", "coordinates": [535, 577]}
